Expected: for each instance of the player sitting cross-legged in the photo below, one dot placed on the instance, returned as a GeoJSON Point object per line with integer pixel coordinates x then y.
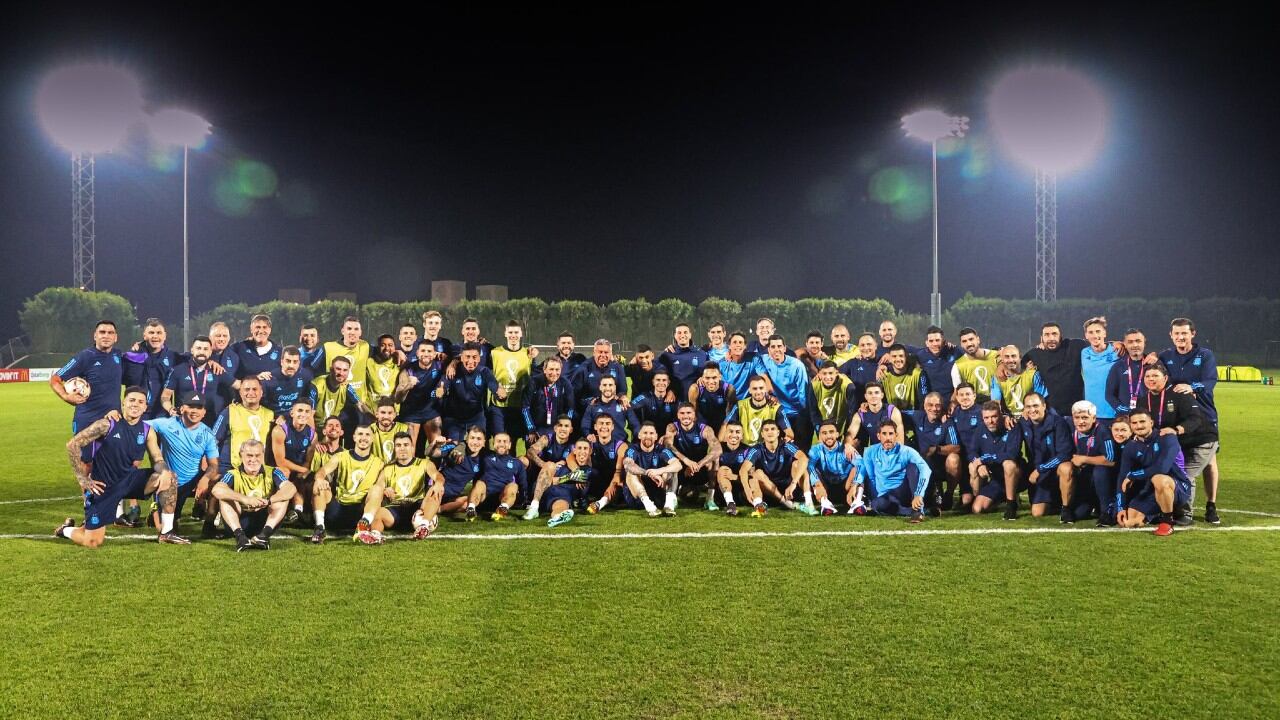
{"type": "Point", "coordinates": [253, 498]}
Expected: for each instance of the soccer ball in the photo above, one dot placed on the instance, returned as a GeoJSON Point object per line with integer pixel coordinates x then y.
{"type": "Point", "coordinates": [77, 386]}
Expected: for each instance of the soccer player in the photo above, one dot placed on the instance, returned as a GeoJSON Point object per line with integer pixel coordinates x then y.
{"type": "Point", "coordinates": [512, 366]}
{"type": "Point", "coordinates": [117, 448]}
{"type": "Point", "coordinates": [938, 443]}
{"type": "Point", "coordinates": [712, 397]}
{"type": "Point", "coordinates": [791, 387]}
{"type": "Point", "coordinates": [1095, 366]}
{"type": "Point", "coordinates": [258, 356]}
{"type": "Point", "coordinates": [567, 484]}
{"type": "Point", "coordinates": [608, 403]}
{"type": "Point", "coordinates": [1060, 362]}
{"type": "Point", "coordinates": [570, 361]}
{"type": "Point", "coordinates": [684, 360]}
{"type": "Point", "coordinates": [411, 492]}
{"type": "Point", "coordinates": [897, 476]}
{"type": "Point", "coordinates": [937, 361]}
{"type": "Point", "coordinates": [550, 397]}
{"type": "Point", "coordinates": [293, 383]}
{"type": "Point", "coordinates": [355, 350]}
{"type": "Point", "coordinates": [976, 367]}
{"type": "Point", "coordinates": [649, 465]}
{"type": "Point", "coordinates": [1193, 370]}
{"type": "Point", "coordinates": [779, 468]}
{"type": "Point", "coordinates": [834, 397]}
{"type": "Point", "coordinates": [904, 383]}
{"type": "Point", "coordinates": [415, 391]}
{"type": "Point", "coordinates": [346, 492]}
{"type": "Point", "coordinates": [1012, 383]}
{"type": "Point", "coordinates": [586, 381]}
{"type": "Point", "coordinates": [293, 448]}
{"type": "Point", "coordinates": [1049, 448]}
{"type": "Point", "coordinates": [382, 371]}
{"type": "Point", "coordinates": [1150, 482]}
{"type": "Point", "coordinates": [888, 338]}
{"type": "Point", "coordinates": [335, 396]}
{"type": "Point", "coordinates": [873, 412]}
{"type": "Point", "coordinates": [608, 450]}
{"type": "Point", "coordinates": [812, 354]}
{"type": "Point", "coordinates": [738, 365]}
{"type": "Point", "coordinates": [248, 419]}
{"type": "Point", "coordinates": [996, 467]}
{"type": "Point", "coordinates": [253, 497]}
{"type": "Point", "coordinates": [385, 429]}
{"type": "Point", "coordinates": [716, 347]}
{"type": "Point", "coordinates": [831, 472]}
{"type": "Point", "coordinates": [471, 334]}
{"type": "Point", "coordinates": [148, 365]}
{"type": "Point", "coordinates": [842, 350]}
{"type": "Point", "coordinates": [864, 367]}
{"type": "Point", "coordinates": [187, 445]}
{"type": "Point", "coordinates": [1093, 462]}
{"type": "Point", "coordinates": [657, 406]}
{"type": "Point", "coordinates": [1180, 415]}
{"type": "Point", "coordinates": [196, 376]}
{"type": "Point", "coordinates": [696, 447]}
{"type": "Point", "coordinates": [967, 415]}
{"type": "Point", "coordinates": [502, 476]}
{"type": "Point", "coordinates": [465, 396]}
{"type": "Point", "coordinates": [640, 371]}
{"type": "Point", "coordinates": [732, 455]}
{"type": "Point", "coordinates": [432, 322]}
{"type": "Point", "coordinates": [407, 339]}
{"type": "Point", "coordinates": [1124, 381]}
{"type": "Point", "coordinates": [752, 411]}
{"type": "Point", "coordinates": [764, 330]}
{"type": "Point", "coordinates": [549, 450]}
{"type": "Point", "coordinates": [312, 351]}
{"type": "Point", "coordinates": [329, 444]}
{"type": "Point", "coordinates": [459, 466]}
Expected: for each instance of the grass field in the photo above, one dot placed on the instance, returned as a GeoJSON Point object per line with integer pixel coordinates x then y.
{"type": "Point", "coordinates": [764, 618]}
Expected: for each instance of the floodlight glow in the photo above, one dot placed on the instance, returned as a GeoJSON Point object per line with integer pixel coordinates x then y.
{"type": "Point", "coordinates": [88, 108]}
{"type": "Point", "coordinates": [179, 127]}
{"type": "Point", "coordinates": [933, 125]}
{"type": "Point", "coordinates": [1052, 119]}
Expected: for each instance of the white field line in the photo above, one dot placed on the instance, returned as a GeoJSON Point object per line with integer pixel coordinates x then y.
{"type": "Point", "coordinates": [39, 500]}
{"type": "Point", "coordinates": [729, 534]}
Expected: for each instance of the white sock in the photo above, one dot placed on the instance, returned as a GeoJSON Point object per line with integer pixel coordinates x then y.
{"type": "Point", "coordinates": [533, 505]}
{"type": "Point", "coordinates": [808, 497]}
{"type": "Point", "coordinates": [504, 506]}
{"type": "Point", "coordinates": [66, 531]}
{"type": "Point", "coordinates": [417, 519]}
{"type": "Point", "coordinates": [602, 502]}
{"type": "Point", "coordinates": [648, 504]}
{"type": "Point", "coordinates": [319, 518]}
{"type": "Point", "coordinates": [297, 509]}
{"type": "Point", "coordinates": [367, 517]}
{"type": "Point", "coordinates": [471, 506]}
{"type": "Point", "coordinates": [120, 509]}
{"type": "Point", "coordinates": [671, 500]}
{"type": "Point", "coordinates": [166, 522]}
{"type": "Point", "coordinates": [826, 504]}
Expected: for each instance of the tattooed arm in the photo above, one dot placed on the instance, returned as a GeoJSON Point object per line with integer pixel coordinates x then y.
{"type": "Point", "coordinates": [77, 444]}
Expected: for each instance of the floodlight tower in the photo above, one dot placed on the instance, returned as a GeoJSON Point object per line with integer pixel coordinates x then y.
{"type": "Point", "coordinates": [1053, 120]}
{"type": "Point", "coordinates": [180, 127]}
{"type": "Point", "coordinates": [87, 109]}
{"type": "Point", "coordinates": [932, 126]}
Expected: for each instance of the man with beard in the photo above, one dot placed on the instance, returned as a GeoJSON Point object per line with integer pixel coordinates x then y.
{"type": "Point", "coordinates": [292, 384]}
{"type": "Point", "coordinates": [196, 376]}
{"type": "Point", "coordinates": [149, 364]}
{"type": "Point", "coordinates": [1012, 383]}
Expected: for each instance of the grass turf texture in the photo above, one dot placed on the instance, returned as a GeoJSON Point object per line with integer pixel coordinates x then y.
{"type": "Point", "coordinates": [1062, 624]}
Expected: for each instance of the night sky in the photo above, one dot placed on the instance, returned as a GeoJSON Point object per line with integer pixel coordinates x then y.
{"type": "Point", "coordinates": [600, 155]}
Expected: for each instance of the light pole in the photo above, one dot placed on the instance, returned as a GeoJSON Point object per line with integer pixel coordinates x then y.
{"type": "Point", "coordinates": [932, 126]}
{"type": "Point", "coordinates": [179, 127]}
{"type": "Point", "coordinates": [87, 109]}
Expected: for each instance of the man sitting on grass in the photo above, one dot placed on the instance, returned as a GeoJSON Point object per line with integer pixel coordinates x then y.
{"type": "Point", "coordinates": [346, 492]}
{"type": "Point", "coordinates": [253, 498]}
{"type": "Point", "coordinates": [410, 492]}
{"type": "Point", "coordinates": [651, 466]}
{"type": "Point", "coordinates": [568, 488]}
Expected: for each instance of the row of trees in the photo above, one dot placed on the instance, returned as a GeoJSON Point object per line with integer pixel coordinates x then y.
{"type": "Point", "coordinates": [57, 319]}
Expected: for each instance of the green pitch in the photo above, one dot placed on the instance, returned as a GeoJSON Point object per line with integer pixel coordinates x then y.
{"type": "Point", "coordinates": [1075, 623]}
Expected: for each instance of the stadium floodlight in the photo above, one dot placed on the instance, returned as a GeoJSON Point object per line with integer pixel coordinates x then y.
{"type": "Point", "coordinates": [1053, 120]}
{"type": "Point", "coordinates": [85, 109]}
{"type": "Point", "coordinates": [181, 127]}
{"type": "Point", "coordinates": [932, 126]}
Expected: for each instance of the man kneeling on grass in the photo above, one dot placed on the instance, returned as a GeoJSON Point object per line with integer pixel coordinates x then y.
{"type": "Point", "coordinates": [253, 498]}
{"type": "Point", "coordinates": [411, 491]}
{"type": "Point", "coordinates": [569, 483]}
{"type": "Point", "coordinates": [896, 474]}
{"type": "Point", "coordinates": [346, 492]}
{"type": "Point", "coordinates": [1150, 480]}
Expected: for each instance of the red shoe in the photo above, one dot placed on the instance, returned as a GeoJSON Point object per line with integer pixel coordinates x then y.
{"type": "Point", "coordinates": [363, 526]}
{"type": "Point", "coordinates": [1164, 529]}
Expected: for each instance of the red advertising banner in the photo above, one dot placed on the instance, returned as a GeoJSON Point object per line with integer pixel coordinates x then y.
{"type": "Point", "coordinates": [14, 375]}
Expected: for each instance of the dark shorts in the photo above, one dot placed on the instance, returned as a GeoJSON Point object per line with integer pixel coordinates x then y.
{"type": "Point", "coordinates": [338, 516]}
{"type": "Point", "coordinates": [186, 491]}
{"type": "Point", "coordinates": [835, 488]}
{"type": "Point", "coordinates": [457, 429]}
{"type": "Point", "coordinates": [1047, 489]}
{"type": "Point", "coordinates": [253, 522]}
{"type": "Point", "coordinates": [100, 510]}
{"type": "Point", "coordinates": [418, 417]}
{"type": "Point", "coordinates": [453, 491]}
{"type": "Point", "coordinates": [573, 493]}
{"type": "Point", "coordinates": [509, 420]}
{"type": "Point", "coordinates": [494, 487]}
{"type": "Point", "coordinates": [402, 514]}
{"type": "Point", "coordinates": [656, 494]}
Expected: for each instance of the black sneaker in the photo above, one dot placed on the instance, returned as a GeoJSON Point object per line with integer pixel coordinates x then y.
{"type": "Point", "coordinates": [1211, 514]}
{"type": "Point", "coordinates": [917, 517]}
{"type": "Point", "coordinates": [1011, 510]}
{"type": "Point", "coordinates": [317, 537]}
{"type": "Point", "coordinates": [125, 521]}
{"type": "Point", "coordinates": [257, 542]}
{"type": "Point", "coordinates": [293, 518]}
{"type": "Point", "coordinates": [1067, 517]}
{"type": "Point", "coordinates": [135, 515]}
{"type": "Point", "coordinates": [1182, 517]}
{"type": "Point", "coordinates": [172, 538]}
{"type": "Point", "coordinates": [935, 512]}
{"type": "Point", "coordinates": [1106, 520]}
{"type": "Point", "coordinates": [242, 543]}
{"type": "Point", "coordinates": [57, 532]}
{"type": "Point", "coordinates": [731, 509]}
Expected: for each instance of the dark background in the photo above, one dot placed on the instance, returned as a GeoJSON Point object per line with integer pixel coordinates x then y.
{"type": "Point", "coordinates": [592, 155]}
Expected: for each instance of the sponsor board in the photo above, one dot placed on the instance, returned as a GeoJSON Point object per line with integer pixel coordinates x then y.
{"type": "Point", "coordinates": [14, 375]}
{"type": "Point", "coordinates": [42, 374]}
